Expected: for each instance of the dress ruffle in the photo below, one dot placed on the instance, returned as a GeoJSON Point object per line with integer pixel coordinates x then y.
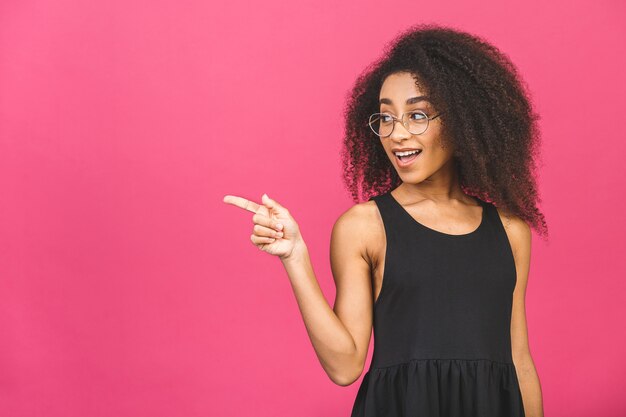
{"type": "Point", "coordinates": [440, 388]}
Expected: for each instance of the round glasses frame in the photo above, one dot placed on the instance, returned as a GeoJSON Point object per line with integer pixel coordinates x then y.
{"type": "Point", "coordinates": [403, 121]}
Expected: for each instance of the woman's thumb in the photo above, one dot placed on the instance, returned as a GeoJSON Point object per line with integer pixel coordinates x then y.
{"type": "Point", "coordinates": [270, 202]}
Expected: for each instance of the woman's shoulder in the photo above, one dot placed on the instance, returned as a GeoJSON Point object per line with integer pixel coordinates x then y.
{"type": "Point", "coordinates": [360, 217]}
{"type": "Point", "coordinates": [363, 222]}
{"type": "Point", "coordinates": [517, 230]}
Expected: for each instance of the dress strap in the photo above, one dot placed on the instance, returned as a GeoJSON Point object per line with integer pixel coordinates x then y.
{"type": "Point", "coordinates": [392, 217]}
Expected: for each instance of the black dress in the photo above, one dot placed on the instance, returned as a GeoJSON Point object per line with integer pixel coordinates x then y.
{"type": "Point", "coordinates": [442, 339]}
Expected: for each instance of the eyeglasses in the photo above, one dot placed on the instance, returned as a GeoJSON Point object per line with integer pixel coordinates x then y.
{"type": "Point", "coordinates": [416, 122]}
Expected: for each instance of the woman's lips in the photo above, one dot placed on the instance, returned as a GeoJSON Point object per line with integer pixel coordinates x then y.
{"type": "Point", "coordinates": [405, 162]}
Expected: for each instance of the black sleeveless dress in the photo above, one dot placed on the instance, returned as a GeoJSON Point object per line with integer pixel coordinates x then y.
{"type": "Point", "coordinates": [442, 339]}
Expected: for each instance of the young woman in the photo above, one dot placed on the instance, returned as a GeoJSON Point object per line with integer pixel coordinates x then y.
{"type": "Point", "coordinates": [441, 140]}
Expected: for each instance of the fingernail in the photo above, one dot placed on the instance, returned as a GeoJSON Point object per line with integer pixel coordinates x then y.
{"type": "Point", "coordinates": [279, 226]}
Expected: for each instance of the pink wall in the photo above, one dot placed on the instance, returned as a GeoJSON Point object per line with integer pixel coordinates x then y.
{"type": "Point", "coordinates": [128, 288]}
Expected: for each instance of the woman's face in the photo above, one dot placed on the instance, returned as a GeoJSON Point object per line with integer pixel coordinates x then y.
{"type": "Point", "coordinates": [398, 95]}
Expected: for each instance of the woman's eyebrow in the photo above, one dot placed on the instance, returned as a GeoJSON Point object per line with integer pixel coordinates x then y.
{"type": "Point", "coordinates": [412, 100]}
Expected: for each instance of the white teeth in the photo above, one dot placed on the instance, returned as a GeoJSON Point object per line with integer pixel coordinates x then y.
{"type": "Point", "coordinates": [406, 153]}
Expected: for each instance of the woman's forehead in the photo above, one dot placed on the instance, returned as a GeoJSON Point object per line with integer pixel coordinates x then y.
{"type": "Point", "coordinates": [410, 100]}
{"type": "Point", "coordinates": [400, 88]}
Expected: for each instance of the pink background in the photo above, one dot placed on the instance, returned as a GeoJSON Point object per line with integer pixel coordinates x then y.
{"type": "Point", "coordinates": [128, 288]}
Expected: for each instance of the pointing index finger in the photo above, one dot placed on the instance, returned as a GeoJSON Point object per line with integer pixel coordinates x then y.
{"type": "Point", "coordinates": [241, 202]}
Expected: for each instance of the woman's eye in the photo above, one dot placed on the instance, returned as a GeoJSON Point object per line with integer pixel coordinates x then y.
{"type": "Point", "coordinates": [385, 118]}
{"type": "Point", "coordinates": [417, 116]}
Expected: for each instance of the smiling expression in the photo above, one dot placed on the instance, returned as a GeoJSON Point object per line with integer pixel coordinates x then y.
{"type": "Point", "coordinates": [400, 94]}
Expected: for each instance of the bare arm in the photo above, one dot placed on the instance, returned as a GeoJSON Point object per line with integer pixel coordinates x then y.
{"type": "Point", "coordinates": [340, 336]}
{"type": "Point", "coordinates": [520, 237]}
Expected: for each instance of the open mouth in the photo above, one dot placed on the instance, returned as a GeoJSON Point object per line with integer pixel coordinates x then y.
{"type": "Point", "coordinates": [405, 158]}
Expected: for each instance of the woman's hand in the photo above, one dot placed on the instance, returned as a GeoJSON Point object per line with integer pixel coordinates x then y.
{"type": "Point", "coordinates": [274, 231]}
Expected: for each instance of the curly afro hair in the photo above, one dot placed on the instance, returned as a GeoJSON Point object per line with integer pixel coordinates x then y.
{"type": "Point", "coordinates": [488, 118]}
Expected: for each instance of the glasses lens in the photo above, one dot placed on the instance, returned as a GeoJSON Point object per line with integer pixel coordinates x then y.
{"type": "Point", "coordinates": [381, 124]}
{"type": "Point", "coordinates": [417, 122]}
